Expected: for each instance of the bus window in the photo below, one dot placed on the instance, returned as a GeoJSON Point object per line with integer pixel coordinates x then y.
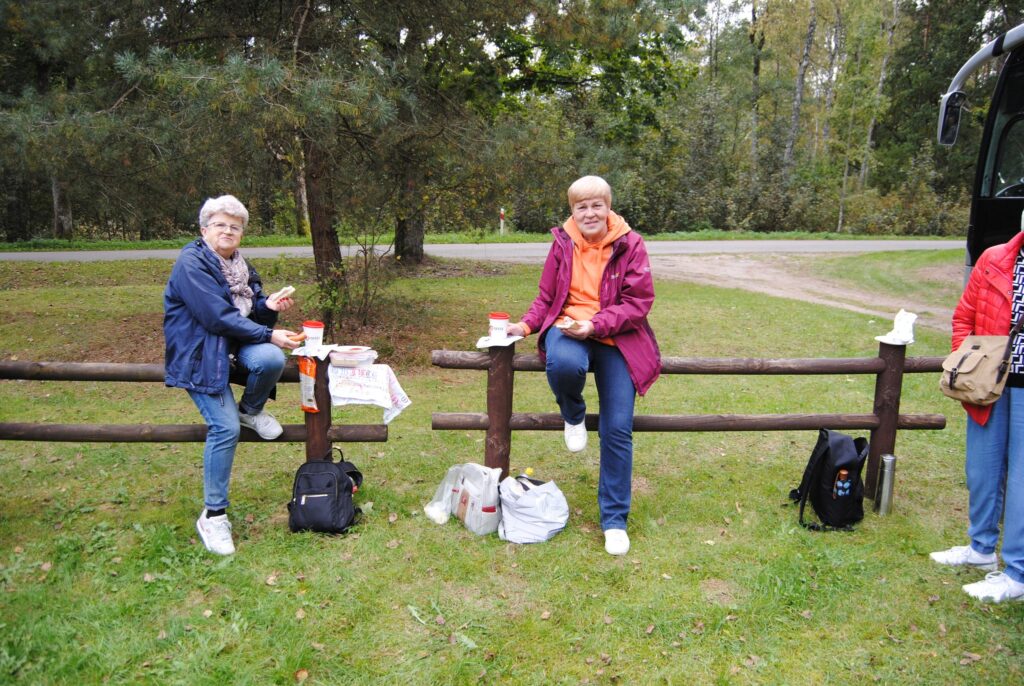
{"type": "Point", "coordinates": [1009, 168]}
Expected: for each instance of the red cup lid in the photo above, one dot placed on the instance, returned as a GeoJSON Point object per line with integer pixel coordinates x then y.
{"type": "Point", "coordinates": [498, 315]}
{"type": "Point", "coordinates": [313, 324]}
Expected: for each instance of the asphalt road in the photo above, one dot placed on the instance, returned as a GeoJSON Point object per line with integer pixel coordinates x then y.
{"type": "Point", "coordinates": [531, 252]}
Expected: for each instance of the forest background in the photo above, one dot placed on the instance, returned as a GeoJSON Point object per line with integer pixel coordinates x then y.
{"type": "Point", "coordinates": [370, 117]}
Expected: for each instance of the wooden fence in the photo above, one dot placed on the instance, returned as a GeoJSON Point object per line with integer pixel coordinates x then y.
{"type": "Point", "coordinates": [499, 421]}
{"type": "Point", "coordinates": [317, 433]}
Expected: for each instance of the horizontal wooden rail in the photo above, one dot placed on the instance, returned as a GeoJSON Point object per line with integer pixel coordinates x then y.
{"type": "Point", "coordinates": [888, 368]}
{"type": "Point", "coordinates": [531, 362]}
{"type": "Point", "coordinates": [699, 422]}
{"type": "Point", "coordinates": [102, 371]}
{"type": "Point", "coordinates": [175, 433]}
{"type": "Point", "coordinates": [317, 433]}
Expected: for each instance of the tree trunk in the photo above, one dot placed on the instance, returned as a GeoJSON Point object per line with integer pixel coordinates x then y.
{"type": "Point", "coordinates": [301, 195]}
{"type": "Point", "coordinates": [798, 95]}
{"type": "Point", "coordinates": [63, 227]}
{"type": "Point", "coordinates": [326, 250]}
{"type": "Point", "coordinates": [869, 141]}
{"type": "Point", "coordinates": [835, 64]}
{"type": "Point", "coordinates": [410, 227]}
{"type": "Point", "coordinates": [756, 37]}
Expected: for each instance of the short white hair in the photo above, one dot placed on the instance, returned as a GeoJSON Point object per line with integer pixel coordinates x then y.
{"type": "Point", "coordinates": [588, 187]}
{"type": "Point", "coordinates": [227, 204]}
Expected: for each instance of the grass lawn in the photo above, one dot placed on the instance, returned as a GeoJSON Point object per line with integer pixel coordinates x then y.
{"type": "Point", "coordinates": [102, 580]}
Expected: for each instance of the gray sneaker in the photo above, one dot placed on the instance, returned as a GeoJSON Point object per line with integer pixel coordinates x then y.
{"type": "Point", "coordinates": [263, 424]}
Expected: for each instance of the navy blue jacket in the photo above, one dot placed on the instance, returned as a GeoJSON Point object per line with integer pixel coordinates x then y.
{"type": "Point", "coordinates": [202, 326]}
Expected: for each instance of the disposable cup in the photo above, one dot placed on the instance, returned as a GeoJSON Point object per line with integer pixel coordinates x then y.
{"type": "Point", "coordinates": [314, 331]}
{"type": "Point", "coordinates": [498, 329]}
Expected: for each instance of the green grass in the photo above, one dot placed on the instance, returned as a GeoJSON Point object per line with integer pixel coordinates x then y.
{"type": "Point", "coordinates": [101, 579]}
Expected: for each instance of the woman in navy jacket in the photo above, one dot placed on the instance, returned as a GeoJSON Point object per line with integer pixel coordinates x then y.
{"type": "Point", "coordinates": [216, 314]}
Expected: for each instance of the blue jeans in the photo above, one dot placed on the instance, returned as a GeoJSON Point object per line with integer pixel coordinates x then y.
{"type": "Point", "coordinates": [995, 481]}
{"type": "Point", "coordinates": [265, 362]}
{"type": "Point", "coordinates": [568, 361]}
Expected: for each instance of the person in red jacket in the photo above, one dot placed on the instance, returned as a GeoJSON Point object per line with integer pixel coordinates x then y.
{"type": "Point", "coordinates": [595, 292]}
{"type": "Point", "coordinates": [992, 301]}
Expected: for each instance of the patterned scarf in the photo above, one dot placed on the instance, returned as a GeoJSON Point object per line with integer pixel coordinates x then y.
{"type": "Point", "coordinates": [236, 271]}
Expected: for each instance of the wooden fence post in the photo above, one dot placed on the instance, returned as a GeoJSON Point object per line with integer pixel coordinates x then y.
{"type": "Point", "coordinates": [498, 443]}
{"type": "Point", "coordinates": [888, 386]}
{"type": "Point", "coordinates": [318, 446]}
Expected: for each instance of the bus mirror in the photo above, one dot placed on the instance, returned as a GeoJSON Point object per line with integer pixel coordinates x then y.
{"type": "Point", "coordinates": [949, 116]}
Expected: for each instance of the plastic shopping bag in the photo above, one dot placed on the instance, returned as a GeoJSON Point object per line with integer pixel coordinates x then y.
{"type": "Point", "coordinates": [470, 492]}
{"type": "Point", "coordinates": [531, 511]}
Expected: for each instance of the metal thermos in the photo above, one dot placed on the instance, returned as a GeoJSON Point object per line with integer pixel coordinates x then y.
{"type": "Point", "coordinates": [883, 499]}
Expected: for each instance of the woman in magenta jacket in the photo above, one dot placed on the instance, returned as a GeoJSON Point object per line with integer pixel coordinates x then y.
{"type": "Point", "coordinates": [992, 300]}
{"type": "Point", "coordinates": [595, 292]}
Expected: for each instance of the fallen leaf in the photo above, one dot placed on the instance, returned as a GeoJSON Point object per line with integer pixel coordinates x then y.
{"type": "Point", "coordinates": [272, 580]}
{"type": "Point", "coordinates": [942, 629]}
{"type": "Point", "coordinates": [207, 613]}
{"type": "Point", "coordinates": [249, 518]}
{"type": "Point", "coordinates": [650, 629]}
{"type": "Point", "coordinates": [18, 550]}
{"type": "Point", "coordinates": [969, 658]}
{"type": "Point", "coordinates": [735, 669]}
{"type": "Point", "coordinates": [439, 620]}
{"type": "Point", "coordinates": [709, 542]}
{"type": "Point", "coordinates": [932, 599]}
{"type": "Point", "coordinates": [46, 566]}
{"type": "Point", "coordinates": [148, 578]}
{"type": "Point", "coordinates": [806, 614]}
{"type": "Point", "coordinates": [545, 615]}
{"type": "Point", "coordinates": [698, 627]}
{"type": "Point", "coordinates": [300, 614]}
{"type": "Point", "coordinates": [301, 675]}
{"type": "Point", "coordinates": [606, 658]}
{"type": "Point", "coordinates": [317, 646]}
{"type": "Point", "coordinates": [393, 543]}
{"type": "Point", "coordinates": [752, 661]}
{"type": "Point", "coordinates": [731, 618]}
{"type": "Point", "coordinates": [607, 619]}
{"type": "Point", "coordinates": [666, 577]}
{"type": "Point", "coordinates": [393, 517]}
{"type": "Point", "coordinates": [162, 635]}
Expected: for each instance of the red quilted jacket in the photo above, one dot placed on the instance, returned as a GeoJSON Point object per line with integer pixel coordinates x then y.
{"type": "Point", "coordinates": [985, 307]}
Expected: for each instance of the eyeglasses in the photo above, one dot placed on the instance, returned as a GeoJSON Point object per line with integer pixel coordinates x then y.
{"type": "Point", "coordinates": [225, 228]}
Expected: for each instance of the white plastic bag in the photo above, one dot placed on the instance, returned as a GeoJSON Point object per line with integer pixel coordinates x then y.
{"type": "Point", "coordinates": [470, 492]}
{"type": "Point", "coordinates": [531, 511]}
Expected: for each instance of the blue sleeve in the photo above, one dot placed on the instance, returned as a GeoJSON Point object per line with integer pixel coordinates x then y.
{"type": "Point", "coordinates": [206, 296]}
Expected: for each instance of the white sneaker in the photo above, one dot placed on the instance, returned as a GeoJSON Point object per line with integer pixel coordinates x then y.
{"type": "Point", "coordinates": [216, 533]}
{"type": "Point", "coordinates": [965, 555]}
{"type": "Point", "coordinates": [616, 541]}
{"type": "Point", "coordinates": [576, 436]}
{"type": "Point", "coordinates": [996, 587]}
{"type": "Point", "coordinates": [263, 423]}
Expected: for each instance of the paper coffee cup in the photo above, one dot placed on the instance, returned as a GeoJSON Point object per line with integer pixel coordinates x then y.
{"type": "Point", "coordinates": [498, 330]}
{"type": "Point", "coordinates": [314, 331]}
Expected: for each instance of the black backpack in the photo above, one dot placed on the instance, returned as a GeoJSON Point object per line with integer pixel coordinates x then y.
{"type": "Point", "coordinates": [322, 496]}
{"type": "Point", "coordinates": [832, 482]}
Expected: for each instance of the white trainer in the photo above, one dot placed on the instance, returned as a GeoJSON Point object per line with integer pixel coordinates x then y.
{"type": "Point", "coordinates": [263, 424]}
{"type": "Point", "coordinates": [616, 541]}
{"type": "Point", "coordinates": [996, 587]}
{"type": "Point", "coordinates": [575, 436]}
{"type": "Point", "coordinates": [966, 556]}
{"type": "Point", "coordinates": [216, 533]}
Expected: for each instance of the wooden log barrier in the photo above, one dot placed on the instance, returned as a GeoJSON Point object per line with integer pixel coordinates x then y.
{"type": "Point", "coordinates": [317, 433]}
{"type": "Point", "coordinates": [889, 366]}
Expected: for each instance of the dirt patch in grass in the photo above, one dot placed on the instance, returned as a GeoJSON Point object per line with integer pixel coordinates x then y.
{"type": "Point", "coordinates": [786, 276]}
{"type": "Point", "coordinates": [718, 592]}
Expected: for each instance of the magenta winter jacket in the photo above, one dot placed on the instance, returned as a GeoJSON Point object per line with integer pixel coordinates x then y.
{"type": "Point", "coordinates": [627, 293]}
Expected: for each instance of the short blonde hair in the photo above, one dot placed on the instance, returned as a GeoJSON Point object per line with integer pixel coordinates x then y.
{"type": "Point", "coordinates": [590, 187]}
